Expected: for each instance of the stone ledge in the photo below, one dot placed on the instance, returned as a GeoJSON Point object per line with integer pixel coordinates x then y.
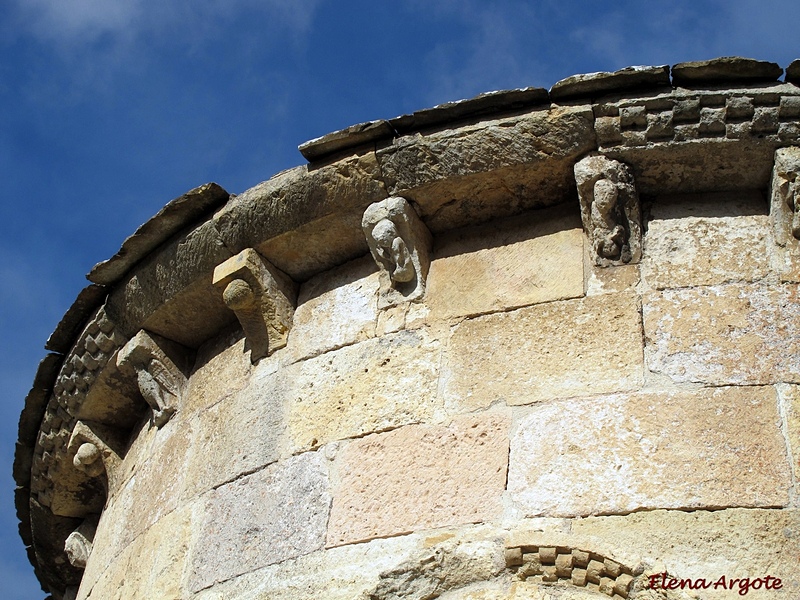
{"type": "Point", "coordinates": [592, 85]}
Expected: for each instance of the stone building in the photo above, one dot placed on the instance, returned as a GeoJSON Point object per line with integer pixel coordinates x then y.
{"type": "Point", "coordinates": [532, 345]}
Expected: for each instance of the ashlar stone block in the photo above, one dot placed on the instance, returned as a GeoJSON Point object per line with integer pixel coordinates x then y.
{"type": "Point", "coordinates": [335, 308]}
{"type": "Point", "coordinates": [724, 335]}
{"type": "Point", "coordinates": [419, 477]}
{"type": "Point", "coordinates": [532, 258]}
{"type": "Point", "coordinates": [372, 386]}
{"type": "Point", "coordinates": [709, 448]}
{"type": "Point", "coordinates": [556, 350]}
{"type": "Point", "coordinates": [706, 239]}
{"type": "Point", "coordinates": [273, 515]}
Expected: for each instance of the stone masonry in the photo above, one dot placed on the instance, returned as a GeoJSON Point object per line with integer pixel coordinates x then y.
{"type": "Point", "coordinates": [534, 345]}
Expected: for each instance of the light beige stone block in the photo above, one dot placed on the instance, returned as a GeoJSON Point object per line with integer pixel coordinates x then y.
{"type": "Point", "coordinates": [790, 400]}
{"type": "Point", "coordinates": [419, 477]}
{"type": "Point", "coordinates": [536, 257]}
{"type": "Point", "coordinates": [335, 309]}
{"type": "Point", "coordinates": [375, 385]}
{"type": "Point", "coordinates": [722, 335]}
{"type": "Point", "coordinates": [152, 566]}
{"type": "Point", "coordinates": [707, 239]}
{"type": "Point", "coordinates": [617, 454]}
{"type": "Point", "coordinates": [555, 350]}
{"type": "Point", "coordinates": [222, 368]}
{"type": "Point", "coordinates": [240, 434]}
{"type": "Point", "coordinates": [270, 516]}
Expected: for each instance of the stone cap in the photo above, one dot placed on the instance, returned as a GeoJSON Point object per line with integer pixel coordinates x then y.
{"type": "Point", "coordinates": [598, 84]}
{"type": "Point", "coordinates": [176, 215]}
{"type": "Point", "coordinates": [727, 69]}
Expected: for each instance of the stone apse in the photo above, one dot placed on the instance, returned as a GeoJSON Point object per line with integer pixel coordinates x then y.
{"type": "Point", "coordinates": [533, 345]}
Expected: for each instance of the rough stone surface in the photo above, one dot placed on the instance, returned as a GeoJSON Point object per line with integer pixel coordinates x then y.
{"type": "Point", "coordinates": [346, 139]}
{"type": "Point", "coordinates": [707, 239]}
{"type": "Point", "coordinates": [723, 335]}
{"type": "Point", "coordinates": [237, 435]}
{"type": "Point", "coordinates": [273, 515]}
{"type": "Point", "coordinates": [727, 69]}
{"type": "Point", "coordinates": [598, 84]}
{"type": "Point", "coordinates": [323, 204]}
{"type": "Point", "coordinates": [335, 309]}
{"type": "Point", "coordinates": [147, 297]}
{"type": "Point", "coordinates": [371, 386]}
{"type": "Point", "coordinates": [490, 169]}
{"type": "Point", "coordinates": [793, 72]}
{"type": "Point", "coordinates": [481, 105]}
{"type": "Point", "coordinates": [74, 320]}
{"type": "Point", "coordinates": [553, 350]}
{"type": "Point", "coordinates": [698, 544]}
{"type": "Point", "coordinates": [177, 214]}
{"type": "Point", "coordinates": [790, 400]}
{"type": "Point", "coordinates": [151, 567]}
{"type": "Point", "coordinates": [222, 368]}
{"type": "Point", "coordinates": [418, 477]}
{"type": "Point", "coordinates": [523, 260]}
{"type": "Point", "coordinates": [617, 454]}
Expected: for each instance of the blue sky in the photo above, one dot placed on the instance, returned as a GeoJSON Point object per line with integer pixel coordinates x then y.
{"type": "Point", "coordinates": [109, 109]}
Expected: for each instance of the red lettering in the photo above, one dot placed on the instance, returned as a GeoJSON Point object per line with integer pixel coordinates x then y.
{"type": "Point", "coordinates": [731, 583]}
{"type": "Point", "coordinates": [778, 584]}
{"type": "Point", "coordinates": [756, 583]}
{"type": "Point", "coordinates": [720, 582]}
{"type": "Point", "coordinates": [744, 585]}
{"type": "Point", "coordinates": [654, 581]}
{"type": "Point", "coordinates": [672, 584]}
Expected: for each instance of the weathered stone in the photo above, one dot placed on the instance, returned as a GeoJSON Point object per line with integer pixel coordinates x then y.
{"type": "Point", "coordinates": [97, 450]}
{"type": "Point", "coordinates": [706, 239]}
{"type": "Point", "coordinates": [270, 516]}
{"type": "Point", "coordinates": [400, 244]}
{"type": "Point", "coordinates": [49, 534]}
{"type": "Point", "coordinates": [480, 106]}
{"type": "Point", "coordinates": [335, 309]}
{"type": "Point", "coordinates": [324, 205]}
{"type": "Point", "coordinates": [790, 401]}
{"type": "Point", "coordinates": [610, 210]}
{"type": "Point", "coordinates": [72, 323]}
{"type": "Point", "coordinates": [617, 454]}
{"type": "Point", "coordinates": [346, 139]}
{"type": "Point", "coordinates": [785, 198]}
{"type": "Point", "coordinates": [179, 213]}
{"type": "Point", "coordinates": [372, 386]}
{"type": "Point", "coordinates": [490, 169]}
{"type": "Point", "coordinates": [418, 477]}
{"type": "Point", "coordinates": [553, 350]}
{"type": "Point", "coordinates": [222, 368]}
{"type": "Point", "coordinates": [237, 435]}
{"type": "Point", "coordinates": [147, 298]}
{"type": "Point", "coordinates": [724, 335]}
{"type": "Point", "coordinates": [598, 84]}
{"type": "Point", "coordinates": [536, 257]}
{"type": "Point", "coordinates": [78, 545]}
{"type": "Point", "coordinates": [727, 69]}
{"type": "Point", "coordinates": [152, 566]}
{"type": "Point", "coordinates": [262, 297]}
{"type": "Point", "coordinates": [793, 72]}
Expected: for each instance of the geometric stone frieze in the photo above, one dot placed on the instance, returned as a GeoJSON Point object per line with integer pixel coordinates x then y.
{"type": "Point", "coordinates": [160, 369]}
{"type": "Point", "coordinates": [400, 243]}
{"type": "Point", "coordinates": [609, 210]}
{"type": "Point", "coordinates": [263, 298]}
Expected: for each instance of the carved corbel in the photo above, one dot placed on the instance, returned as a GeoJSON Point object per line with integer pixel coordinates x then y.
{"type": "Point", "coordinates": [96, 449]}
{"type": "Point", "coordinates": [160, 367]}
{"type": "Point", "coordinates": [609, 210]}
{"type": "Point", "coordinates": [401, 245]}
{"type": "Point", "coordinates": [263, 298]}
{"type": "Point", "coordinates": [78, 545]}
{"type": "Point", "coordinates": [785, 196]}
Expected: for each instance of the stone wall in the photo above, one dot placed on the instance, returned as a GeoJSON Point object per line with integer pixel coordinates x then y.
{"type": "Point", "coordinates": [525, 346]}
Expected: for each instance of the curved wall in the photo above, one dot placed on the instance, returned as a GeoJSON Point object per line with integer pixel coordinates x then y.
{"type": "Point", "coordinates": [535, 386]}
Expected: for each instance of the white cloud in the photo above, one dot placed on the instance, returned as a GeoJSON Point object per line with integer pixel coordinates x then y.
{"type": "Point", "coordinates": [80, 22]}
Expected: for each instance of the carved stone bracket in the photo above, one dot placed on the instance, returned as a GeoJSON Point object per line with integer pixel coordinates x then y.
{"type": "Point", "coordinates": [78, 545]}
{"type": "Point", "coordinates": [160, 367]}
{"type": "Point", "coordinates": [610, 210]}
{"type": "Point", "coordinates": [401, 244]}
{"type": "Point", "coordinates": [785, 196]}
{"type": "Point", "coordinates": [96, 449]}
{"type": "Point", "coordinates": [263, 298]}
